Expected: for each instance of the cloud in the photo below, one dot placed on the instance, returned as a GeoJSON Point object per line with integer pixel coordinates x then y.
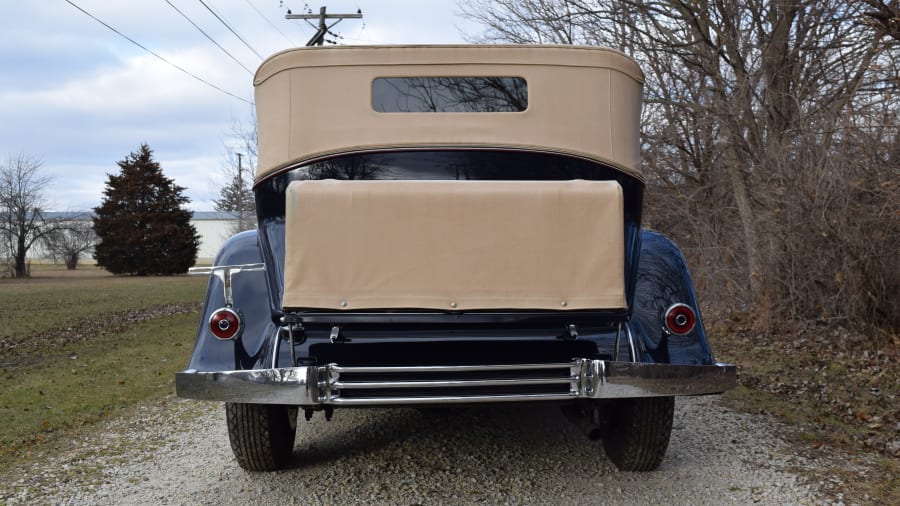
{"type": "Point", "coordinates": [80, 97]}
{"type": "Point", "coordinates": [103, 115]}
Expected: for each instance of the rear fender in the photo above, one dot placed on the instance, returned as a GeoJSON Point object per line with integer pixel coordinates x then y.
{"type": "Point", "coordinates": [251, 300]}
{"type": "Point", "coordinates": [663, 280]}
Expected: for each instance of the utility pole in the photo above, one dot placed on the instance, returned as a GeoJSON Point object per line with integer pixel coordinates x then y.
{"type": "Point", "coordinates": [240, 195]}
{"type": "Point", "coordinates": [319, 37]}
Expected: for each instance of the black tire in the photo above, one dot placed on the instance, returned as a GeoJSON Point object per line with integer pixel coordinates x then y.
{"type": "Point", "coordinates": [261, 435]}
{"type": "Point", "coordinates": [638, 434]}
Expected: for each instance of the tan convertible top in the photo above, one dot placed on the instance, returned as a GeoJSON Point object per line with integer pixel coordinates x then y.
{"type": "Point", "coordinates": [315, 102]}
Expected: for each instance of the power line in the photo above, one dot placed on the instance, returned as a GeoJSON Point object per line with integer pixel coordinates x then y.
{"type": "Point", "coordinates": [208, 37]}
{"type": "Point", "coordinates": [270, 22]}
{"type": "Point", "coordinates": [230, 29]}
{"type": "Point", "coordinates": [129, 39]}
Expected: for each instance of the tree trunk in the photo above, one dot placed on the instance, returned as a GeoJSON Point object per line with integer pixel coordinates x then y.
{"type": "Point", "coordinates": [21, 266]}
{"type": "Point", "coordinates": [72, 261]}
{"type": "Point", "coordinates": [748, 226]}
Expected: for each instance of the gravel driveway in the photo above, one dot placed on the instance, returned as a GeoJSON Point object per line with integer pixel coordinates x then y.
{"type": "Point", "coordinates": [176, 452]}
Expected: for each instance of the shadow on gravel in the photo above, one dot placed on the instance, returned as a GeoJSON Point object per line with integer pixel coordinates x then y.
{"type": "Point", "coordinates": [490, 435]}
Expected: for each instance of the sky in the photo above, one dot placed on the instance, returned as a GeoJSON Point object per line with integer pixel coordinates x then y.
{"type": "Point", "coordinates": [79, 98]}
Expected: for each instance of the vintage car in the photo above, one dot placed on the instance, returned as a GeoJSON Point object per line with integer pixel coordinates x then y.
{"type": "Point", "coordinates": [443, 226]}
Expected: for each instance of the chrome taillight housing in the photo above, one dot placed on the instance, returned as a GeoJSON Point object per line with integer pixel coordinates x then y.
{"type": "Point", "coordinates": [679, 319]}
{"type": "Point", "coordinates": [226, 324]}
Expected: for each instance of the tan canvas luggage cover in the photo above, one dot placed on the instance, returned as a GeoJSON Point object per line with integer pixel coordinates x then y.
{"type": "Point", "coordinates": [454, 245]}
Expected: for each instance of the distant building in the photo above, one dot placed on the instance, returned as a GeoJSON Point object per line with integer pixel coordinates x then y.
{"type": "Point", "coordinates": [214, 229]}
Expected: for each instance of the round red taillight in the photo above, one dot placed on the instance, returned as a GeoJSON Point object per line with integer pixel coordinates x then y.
{"type": "Point", "coordinates": [225, 323]}
{"type": "Point", "coordinates": [680, 319]}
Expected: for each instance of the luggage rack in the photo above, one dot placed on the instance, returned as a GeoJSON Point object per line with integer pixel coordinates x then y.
{"type": "Point", "coordinates": [342, 385]}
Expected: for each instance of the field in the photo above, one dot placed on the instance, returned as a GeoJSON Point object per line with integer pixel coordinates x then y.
{"type": "Point", "coordinates": [76, 346]}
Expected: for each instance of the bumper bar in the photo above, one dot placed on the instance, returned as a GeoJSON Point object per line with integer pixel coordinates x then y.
{"type": "Point", "coordinates": [390, 386]}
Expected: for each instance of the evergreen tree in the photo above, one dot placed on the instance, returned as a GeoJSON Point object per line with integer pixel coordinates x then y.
{"type": "Point", "coordinates": [237, 198]}
{"type": "Point", "coordinates": [141, 225]}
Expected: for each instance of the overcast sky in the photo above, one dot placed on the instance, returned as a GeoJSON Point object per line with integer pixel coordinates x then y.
{"type": "Point", "coordinates": [79, 97]}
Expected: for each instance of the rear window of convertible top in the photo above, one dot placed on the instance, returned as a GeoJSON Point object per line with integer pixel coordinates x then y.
{"type": "Point", "coordinates": [450, 94]}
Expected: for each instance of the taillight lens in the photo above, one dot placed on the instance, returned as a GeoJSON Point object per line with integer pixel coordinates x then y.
{"type": "Point", "coordinates": [680, 319]}
{"type": "Point", "coordinates": [225, 323]}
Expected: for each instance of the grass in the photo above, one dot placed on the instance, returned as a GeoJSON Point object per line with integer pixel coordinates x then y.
{"type": "Point", "coordinates": [82, 383]}
{"type": "Point", "coordinates": [56, 299]}
{"type": "Point", "coordinates": [126, 350]}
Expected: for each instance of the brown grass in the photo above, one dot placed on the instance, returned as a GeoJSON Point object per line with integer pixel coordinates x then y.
{"type": "Point", "coordinates": [837, 389]}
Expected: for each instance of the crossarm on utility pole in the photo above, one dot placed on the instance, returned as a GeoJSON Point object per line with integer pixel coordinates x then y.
{"type": "Point", "coordinates": [318, 38]}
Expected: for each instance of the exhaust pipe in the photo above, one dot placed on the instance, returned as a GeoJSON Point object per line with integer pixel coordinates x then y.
{"type": "Point", "coordinates": [586, 421]}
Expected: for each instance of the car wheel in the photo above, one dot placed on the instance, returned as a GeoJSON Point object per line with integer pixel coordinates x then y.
{"type": "Point", "coordinates": [261, 435]}
{"type": "Point", "coordinates": [639, 431]}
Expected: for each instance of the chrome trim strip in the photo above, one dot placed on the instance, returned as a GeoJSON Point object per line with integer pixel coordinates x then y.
{"type": "Point", "coordinates": [618, 340]}
{"type": "Point", "coordinates": [450, 399]}
{"type": "Point", "coordinates": [590, 379]}
{"type": "Point", "coordinates": [449, 368]}
{"type": "Point", "coordinates": [352, 385]}
{"type": "Point", "coordinates": [632, 353]}
{"type": "Point", "coordinates": [276, 350]}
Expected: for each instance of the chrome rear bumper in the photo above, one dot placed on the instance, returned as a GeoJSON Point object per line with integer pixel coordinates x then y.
{"type": "Point", "coordinates": [391, 386]}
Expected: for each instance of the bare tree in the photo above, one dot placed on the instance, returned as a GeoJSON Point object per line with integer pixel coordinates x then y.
{"type": "Point", "coordinates": [884, 16]}
{"type": "Point", "coordinates": [236, 196]}
{"type": "Point", "coordinates": [750, 110]}
{"type": "Point", "coordinates": [22, 205]}
{"type": "Point", "coordinates": [74, 237]}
